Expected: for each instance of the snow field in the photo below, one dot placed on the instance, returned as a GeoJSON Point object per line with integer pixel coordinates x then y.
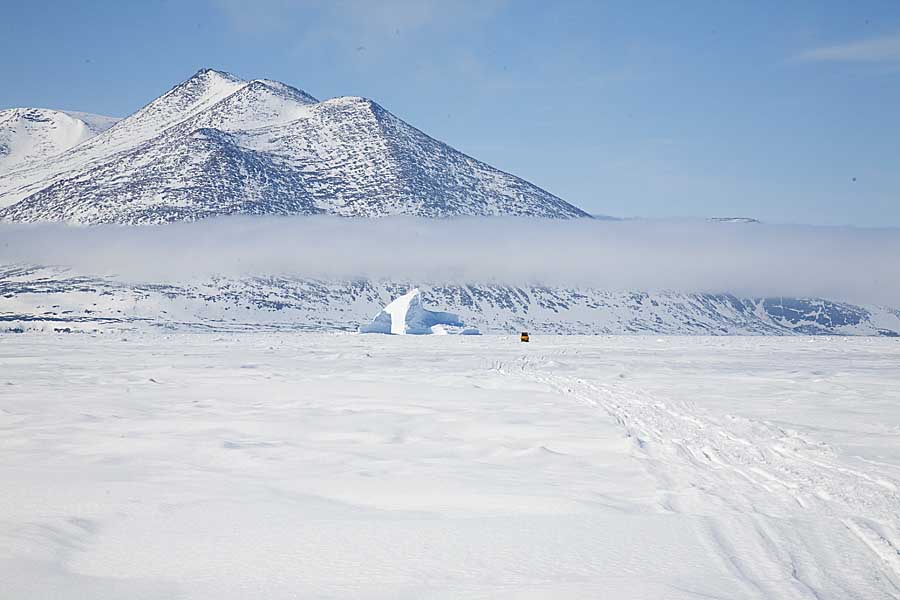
{"type": "Point", "coordinates": [312, 465]}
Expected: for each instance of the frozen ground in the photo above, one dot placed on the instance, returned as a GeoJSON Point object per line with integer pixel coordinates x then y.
{"type": "Point", "coordinates": [305, 466]}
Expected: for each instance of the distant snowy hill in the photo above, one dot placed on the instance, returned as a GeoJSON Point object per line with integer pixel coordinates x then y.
{"type": "Point", "coordinates": [35, 135]}
{"type": "Point", "coordinates": [33, 298]}
{"type": "Point", "coordinates": [216, 144]}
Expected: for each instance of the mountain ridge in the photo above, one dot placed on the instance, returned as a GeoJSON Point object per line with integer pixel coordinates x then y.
{"type": "Point", "coordinates": [216, 144]}
{"type": "Point", "coordinates": [47, 298]}
{"type": "Point", "coordinates": [347, 156]}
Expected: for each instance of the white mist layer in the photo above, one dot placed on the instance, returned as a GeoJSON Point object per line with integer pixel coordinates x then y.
{"type": "Point", "coordinates": [857, 265]}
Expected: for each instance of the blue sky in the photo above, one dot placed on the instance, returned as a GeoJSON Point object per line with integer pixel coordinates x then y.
{"type": "Point", "coordinates": [784, 111]}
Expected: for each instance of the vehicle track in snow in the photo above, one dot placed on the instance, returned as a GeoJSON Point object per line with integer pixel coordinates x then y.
{"type": "Point", "coordinates": [715, 465]}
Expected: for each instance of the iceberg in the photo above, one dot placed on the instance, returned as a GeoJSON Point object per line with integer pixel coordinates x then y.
{"type": "Point", "coordinates": [408, 316]}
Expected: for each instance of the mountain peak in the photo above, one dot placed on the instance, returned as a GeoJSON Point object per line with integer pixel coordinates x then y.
{"type": "Point", "coordinates": [203, 81]}
{"type": "Point", "coordinates": [32, 134]}
{"type": "Point", "coordinates": [284, 90]}
{"type": "Point", "coordinates": [218, 144]}
{"type": "Point", "coordinates": [207, 72]}
{"type": "Point", "coordinates": [352, 100]}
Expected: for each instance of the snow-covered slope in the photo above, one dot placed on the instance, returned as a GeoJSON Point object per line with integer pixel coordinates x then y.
{"type": "Point", "coordinates": [218, 145]}
{"type": "Point", "coordinates": [204, 89]}
{"type": "Point", "coordinates": [45, 298]}
{"type": "Point", "coordinates": [203, 173]}
{"type": "Point", "coordinates": [29, 135]}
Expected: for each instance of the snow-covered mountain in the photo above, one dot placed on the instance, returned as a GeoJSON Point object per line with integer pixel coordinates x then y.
{"type": "Point", "coordinates": [36, 135]}
{"type": "Point", "coordinates": [216, 144]}
{"type": "Point", "coordinates": [33, 298]}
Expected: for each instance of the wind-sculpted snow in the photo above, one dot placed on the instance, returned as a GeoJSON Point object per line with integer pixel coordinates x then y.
{"type": "Point", "coordinates": [283, 148]}
{"type": "Point", "coordinates": [407, 315]}
{"type": "Point", "coordinates": [227, 466]}
{"type": "Point", "coordinates": [47, 299]}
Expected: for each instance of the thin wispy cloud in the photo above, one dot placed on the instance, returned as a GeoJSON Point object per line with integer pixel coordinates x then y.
{"type": "Point", "coordinates": [354, 18]}
{"type": "Point", "coordinates": [885, 49]}
{"type": "Point", "coordinates": [857, 265]}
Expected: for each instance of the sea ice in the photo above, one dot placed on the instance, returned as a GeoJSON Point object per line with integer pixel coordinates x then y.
{"type": "Point", "coordinates": [407, 315]}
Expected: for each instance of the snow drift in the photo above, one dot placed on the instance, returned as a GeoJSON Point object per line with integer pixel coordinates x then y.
{"type": "Point", "coordinates": [407, 315]}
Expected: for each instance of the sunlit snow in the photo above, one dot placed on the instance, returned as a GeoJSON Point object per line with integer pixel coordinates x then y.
{"type": "Point", "coordinates": [407, 315]}
{"type": "Point", "coordinates": [316, 465]}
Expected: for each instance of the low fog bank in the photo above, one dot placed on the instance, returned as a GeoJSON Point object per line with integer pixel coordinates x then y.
{"type": "Point", "coordinates": [857, 265]}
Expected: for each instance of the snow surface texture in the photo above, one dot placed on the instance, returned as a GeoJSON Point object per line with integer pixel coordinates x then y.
{"type": "Point", "coordinates": [313, 466]}
{"type": "Point", "coordinates": [217, 145]}
{"type": "Point", "coordinates": [44, 299]}
{"type": "Point", "coordinates": [407, 315]}
{"type": "Point", "coordinates": [35, 135]}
